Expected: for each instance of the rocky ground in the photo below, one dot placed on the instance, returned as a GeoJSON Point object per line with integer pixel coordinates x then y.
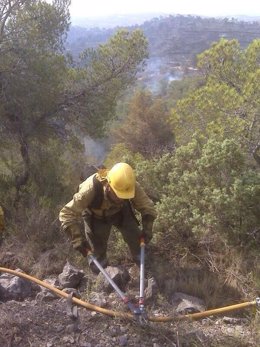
{"type": "Point", "coordinates": [33, 323]}
{"type": "Point", "coordinates": [44, 321]}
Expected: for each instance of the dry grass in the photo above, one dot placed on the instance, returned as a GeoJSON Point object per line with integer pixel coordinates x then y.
{"type": "Point", "coordinates": [221, 276]}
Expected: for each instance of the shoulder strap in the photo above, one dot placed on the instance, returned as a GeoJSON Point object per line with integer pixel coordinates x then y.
{"type": "Point", "coordinates": [99, 193]}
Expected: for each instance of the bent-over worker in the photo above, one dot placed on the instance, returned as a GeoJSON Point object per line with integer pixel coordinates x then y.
{"type": "Point", "coordinates": [105, 199]}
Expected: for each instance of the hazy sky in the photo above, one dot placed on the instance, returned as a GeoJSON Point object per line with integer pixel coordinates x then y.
{"type": "Point", "coordinates": [89, 8]}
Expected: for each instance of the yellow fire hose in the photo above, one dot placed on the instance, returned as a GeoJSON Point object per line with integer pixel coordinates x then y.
{"type": "Point", "coordinates": [192, 316]}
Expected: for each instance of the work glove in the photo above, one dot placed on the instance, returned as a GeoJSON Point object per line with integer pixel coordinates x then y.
{"type": "Point", "coordinates": [147, 230]}
{"type": "Point", "coordinates": [78, 240]}
{"type": "Point", "coordinates": [84, 248]}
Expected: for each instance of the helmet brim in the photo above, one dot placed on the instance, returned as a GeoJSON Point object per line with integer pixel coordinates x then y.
{"type": "Point", "coordinates": [124, 194]}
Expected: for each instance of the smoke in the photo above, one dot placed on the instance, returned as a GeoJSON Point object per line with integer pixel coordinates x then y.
{"type": "Point", "coordinates": [159, 70]}
{"type": "Point", "coordinates": [95, 150]}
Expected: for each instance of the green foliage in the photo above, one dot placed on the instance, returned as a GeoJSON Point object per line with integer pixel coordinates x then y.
{"type": "Point", "coordinates": [153, 175]}
{"type": "Point", "coordinates": [107, 71]}
{"type": "Point", "coordinates": [145, 129]}
{"type": "Point", "coordinates": [50, 172]}
{"type": "Point", "coordinates": [224, 62]}
{"type": "Point", "coordinates": [209, 109]}
{"type": "Point", "coordinates": [40, 21]}
{"type": "Point", "coordinates": [33, 72]}
{"type": "Point", "coordinates": [228, 104]}
{"type": "Point", "coordinates": [45, 99]}
{"type": "Point", "coordinates": [210, 190]}
{"type": "Point", "coordinates": [181, 88]}
{"type": "Point", "coordinates": [126, 48]}
{"type": "Point", "coordinates": [120, 153]}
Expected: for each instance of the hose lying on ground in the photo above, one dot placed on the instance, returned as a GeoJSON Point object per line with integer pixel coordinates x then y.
{"type": "Point", "coordinates": [192, 316]}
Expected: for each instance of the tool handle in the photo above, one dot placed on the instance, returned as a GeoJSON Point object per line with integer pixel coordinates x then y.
{"type": "Point", "coordinates": [142, 263]}
{"type": "Point", "coordinates": [109, 279]}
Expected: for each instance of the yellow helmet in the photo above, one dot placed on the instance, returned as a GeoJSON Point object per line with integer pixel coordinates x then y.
{"type": "Point", "coordinates": [121, 178]}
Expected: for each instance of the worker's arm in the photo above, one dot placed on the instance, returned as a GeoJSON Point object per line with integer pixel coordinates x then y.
{"type": "Point", "coordinates": [71, 215]}
{"type": "Point", "coordinates": [143, 204]}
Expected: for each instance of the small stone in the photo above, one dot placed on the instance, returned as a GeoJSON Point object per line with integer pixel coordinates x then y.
{"type": "Point", "coordinates": [123, 340]}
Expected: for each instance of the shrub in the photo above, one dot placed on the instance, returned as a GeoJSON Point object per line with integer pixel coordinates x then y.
{"type": "Point", "coordinates": [210, 189]}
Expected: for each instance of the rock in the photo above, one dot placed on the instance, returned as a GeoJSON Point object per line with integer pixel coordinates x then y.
{"type": "Point", "coordinates": [46, 294]}
{"type": "Point", "coordinates": [185, 304]}
{"type": "Point", "coordinates": [68, 339]}
{"type": "Point", "coordinates": [123, 340]}
{"type": "Point", "coordinates": [134, 273]}
{"type": "Point", "coordinates": [14, 288]}
{"type": "Point", "coordinates": [152, 288]}
{"type": "Point", "coordinates": [113, 331]}
{"type": "Point", "coordinates": [98, 299]}
{"type": "Point", "coordinates": [118, 274]}
{"type": "Point", "coordinates": [72, 291]}
{"type": "Point", "coordinates": [70, 276]}
{"type": "Point", "coordinates": [52, 281]}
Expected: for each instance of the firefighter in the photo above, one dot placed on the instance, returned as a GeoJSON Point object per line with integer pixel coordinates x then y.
{"type": "Point", "coordinates": [105, 199]}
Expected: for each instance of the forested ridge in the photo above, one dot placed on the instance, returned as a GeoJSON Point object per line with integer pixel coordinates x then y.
{"type": "Point", "coordinates": [177, 38]}
{"type": "Point", "coordinates": [194, 144]}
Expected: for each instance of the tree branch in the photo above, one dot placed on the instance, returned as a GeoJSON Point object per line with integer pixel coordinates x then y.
{"type": "Point", "coordinates": [6, 12]}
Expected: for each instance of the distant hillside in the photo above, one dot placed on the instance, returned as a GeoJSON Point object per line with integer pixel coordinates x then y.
{"type": "Point", "coordinates": [174, 41]}
{"type": "Point", "coordinates": [174, 37]}
{"type": "Point", "coordinates": [81, 38]}
{"type": "Point", "coordinates": [115, 20]}
{"type": "Point", "coordinates": [183, 37]}
{"type": "Point", "coordinates": [112, 21]}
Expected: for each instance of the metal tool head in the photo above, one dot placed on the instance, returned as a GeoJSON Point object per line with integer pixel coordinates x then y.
{"type": "Point", "coordinates": [134, 309]}
{"type": "Point", "coordinates": [140, 315]}
{"type": "Point", "coordinates": [142, 318]}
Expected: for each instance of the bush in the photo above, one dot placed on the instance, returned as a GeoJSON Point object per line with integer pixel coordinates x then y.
{"type": "Point", "coordinates": [210, 189]}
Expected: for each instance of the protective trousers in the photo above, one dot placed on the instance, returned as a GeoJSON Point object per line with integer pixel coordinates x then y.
{"type": "Point", "coordinates": [97, 230]}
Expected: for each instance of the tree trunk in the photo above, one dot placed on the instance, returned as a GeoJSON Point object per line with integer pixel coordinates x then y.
{"type": "Point", "coordinates": [22, 179]}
